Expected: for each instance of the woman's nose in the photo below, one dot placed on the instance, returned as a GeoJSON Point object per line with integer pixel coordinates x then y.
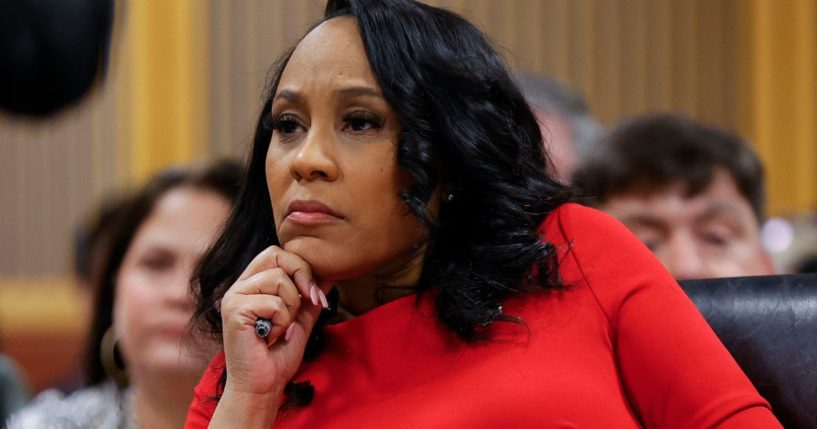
{"type": "Point", "coordinates": [314, 158]}
{"type": "Point", "coordinates": [179, 292]}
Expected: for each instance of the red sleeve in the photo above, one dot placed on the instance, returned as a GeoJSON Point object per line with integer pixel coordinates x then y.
{"type": "Point", "coordinates": [675, 371]}
{"type": "Point", "coordinates": [204, 396]}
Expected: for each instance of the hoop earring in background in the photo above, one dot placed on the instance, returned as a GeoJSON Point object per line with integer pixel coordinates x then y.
{"type": "Point", "coordinates": [111, 358]}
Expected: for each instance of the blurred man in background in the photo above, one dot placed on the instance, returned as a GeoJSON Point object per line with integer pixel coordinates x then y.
{"type": "Point", "coordinates": [692, 193]}
{"type": "Point", "coordinates": [569, 131]}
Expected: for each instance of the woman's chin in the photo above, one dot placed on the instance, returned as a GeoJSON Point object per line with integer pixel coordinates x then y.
{"type": "Point", "coordinates": [185, 367]}
{"type": "Point", "coordinates": [168, 361]}
{"type": "Point", "coordinates": [328, 263]}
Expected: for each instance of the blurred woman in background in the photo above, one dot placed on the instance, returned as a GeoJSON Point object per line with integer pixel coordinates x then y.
{"type": "Point", "coordinates": [138, 371]}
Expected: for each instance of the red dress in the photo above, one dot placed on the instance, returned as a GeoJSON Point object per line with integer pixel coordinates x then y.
{"type": "Point", "coordinates": [621, 347]}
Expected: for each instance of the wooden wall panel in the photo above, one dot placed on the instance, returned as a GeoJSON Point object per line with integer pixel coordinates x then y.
{"type": "Point", "coordinates": [658, 53]}
{"type": "Point", "coordinates": [779, 49]}
{"type": "Point", "coordinates": [47, 181]}
{"type": "Point", "coordinates": [246, 39]}
{"type": "Point", "coordinates": [166, 49]}
{"type": "Point", "coordinates": [726, 62]}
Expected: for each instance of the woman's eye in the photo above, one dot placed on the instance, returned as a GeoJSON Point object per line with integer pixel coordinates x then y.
{"type": "Point", "coordinates": [359, 125]}
{"type": "Point", "coordinates": [285, 124]}
{"type": "Point", "coordinates": [157, 263]}
{"type": "Point", "coordinates": [362, 122]}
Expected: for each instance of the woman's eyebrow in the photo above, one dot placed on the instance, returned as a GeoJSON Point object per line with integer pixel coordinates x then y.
{"type": "Point", "coordinates": [289, 95]}
{"type": "Point", "coordinates": [352, 91]}
{"type": "Point", "coordinates": [357, 91]}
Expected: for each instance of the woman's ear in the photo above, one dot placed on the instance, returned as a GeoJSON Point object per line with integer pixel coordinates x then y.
{"type": "Point", "coordinates": [445, 193]}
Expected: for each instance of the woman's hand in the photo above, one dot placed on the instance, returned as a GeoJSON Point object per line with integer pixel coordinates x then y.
{"type": "Point", "coordinates": [279, 286]}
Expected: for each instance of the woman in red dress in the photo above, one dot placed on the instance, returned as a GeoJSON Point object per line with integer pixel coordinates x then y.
{"type": "Point", "coordinates": [420, 269]}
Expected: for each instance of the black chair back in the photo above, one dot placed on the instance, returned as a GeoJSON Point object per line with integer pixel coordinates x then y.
{"type": "Point", "coordinates": [769, 324]}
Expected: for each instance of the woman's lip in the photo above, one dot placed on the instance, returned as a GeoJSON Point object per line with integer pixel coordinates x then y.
{"type": "Point", "coordinates": [311, 218]}
{"type": "Point", "coordinates": [311, 209]}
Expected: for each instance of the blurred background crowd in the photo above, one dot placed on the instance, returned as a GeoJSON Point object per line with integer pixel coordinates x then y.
{"type": "Point", "coordinates": [692, 122]}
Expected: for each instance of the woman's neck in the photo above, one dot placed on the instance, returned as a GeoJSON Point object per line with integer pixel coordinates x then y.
{"type": "Point", "coordinates": [360, 295]}
{"type": "Point", "coordinates": [161, 403]}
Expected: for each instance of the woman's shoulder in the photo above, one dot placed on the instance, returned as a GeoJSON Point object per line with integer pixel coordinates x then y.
{"type": "Point", "coordinates": [98, 406]}
{"type": "Point", "coordinates": [570, 221]}
{"type": "Point", "coordinates": [597, 250]}
{"type": "Point", "coordinates": [588, 234]}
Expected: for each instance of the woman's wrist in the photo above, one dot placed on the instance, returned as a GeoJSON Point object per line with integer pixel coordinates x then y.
{"type": "Point", "coordinates": [248, 410]}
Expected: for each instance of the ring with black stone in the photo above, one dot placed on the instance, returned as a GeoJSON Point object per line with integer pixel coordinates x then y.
{"type": "Point", "coordinates": [263, 327]}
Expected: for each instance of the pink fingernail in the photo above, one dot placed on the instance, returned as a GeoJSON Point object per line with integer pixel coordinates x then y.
{"type": "Point", "coordinates": [288, 335]}
{"type": "Point", "coordinates": [324, 301]}
{"type": "Point", "coordinates": [313, 294]}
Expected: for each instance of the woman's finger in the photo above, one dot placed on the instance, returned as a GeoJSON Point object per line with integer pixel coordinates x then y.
{"type": "Point", "coordinates": [271, 282]}
{"type": "Point", "coordinates": [275, 257]}
{"type": "Point", "coordinates": [301, 327]}
{"type": "Point", "coordinates": [305, 320]}
{"type": "Point", "coordinates": [240, 312]}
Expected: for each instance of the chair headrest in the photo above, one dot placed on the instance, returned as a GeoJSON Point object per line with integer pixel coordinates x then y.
{"type": "Point", "coordinates": [769, 325]}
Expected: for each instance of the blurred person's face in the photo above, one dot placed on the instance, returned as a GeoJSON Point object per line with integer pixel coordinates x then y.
{"type": "Point", "coordinates": [712, 234]}
{"type": "Point", "coordinates": [559, 145]}
{"type": "Point", "coordinates": [153, 303]}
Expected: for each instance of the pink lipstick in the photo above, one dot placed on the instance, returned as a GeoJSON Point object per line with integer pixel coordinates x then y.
{"type": "Point", "coordinates": [311, 213]}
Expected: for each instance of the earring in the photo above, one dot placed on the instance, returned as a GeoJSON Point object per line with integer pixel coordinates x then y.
{"type": "Point", "coordinates": [111, 358]}
{"type": "Point", "coordinates": [449, 197]}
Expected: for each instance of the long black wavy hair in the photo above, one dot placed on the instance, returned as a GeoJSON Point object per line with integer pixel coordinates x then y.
{"type": "Point", "coordinates": [466, 128]}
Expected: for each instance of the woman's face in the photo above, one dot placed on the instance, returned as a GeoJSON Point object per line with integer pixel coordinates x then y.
{"type": "Point", "coordinates": [331, 167]}
{"type": "Point", "coordinates": [153, 304]}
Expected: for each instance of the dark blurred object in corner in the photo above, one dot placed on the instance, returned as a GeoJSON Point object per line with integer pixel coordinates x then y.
{"type": "Point", "coordinates": [51, 52]}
